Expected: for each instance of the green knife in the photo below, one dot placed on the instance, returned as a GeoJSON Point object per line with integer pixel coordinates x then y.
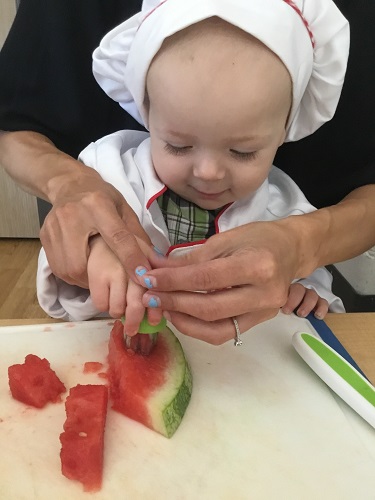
{"type": "Point", "coordinates": [338, 374]}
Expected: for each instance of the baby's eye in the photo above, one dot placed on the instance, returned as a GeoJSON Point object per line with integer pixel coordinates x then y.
{"type": "Point", "coordinates": [240, 155]}
{"type": "Point", "coordinates": [176, 150]}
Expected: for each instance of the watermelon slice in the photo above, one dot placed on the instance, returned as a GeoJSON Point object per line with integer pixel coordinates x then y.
{"type": "Point", "coordinates": [34, 382]}
{"type": "Point", "coordinates": [83, 437]}
{"type": "Point", "coordinates": [154, 390]}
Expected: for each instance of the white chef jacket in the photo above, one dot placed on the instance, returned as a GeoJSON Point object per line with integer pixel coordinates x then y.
{"type": "Point", "coordinates": [124, 160]}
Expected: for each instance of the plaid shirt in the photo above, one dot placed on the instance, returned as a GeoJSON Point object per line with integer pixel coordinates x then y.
{"type": "Point", "coordinates": [186, 221]}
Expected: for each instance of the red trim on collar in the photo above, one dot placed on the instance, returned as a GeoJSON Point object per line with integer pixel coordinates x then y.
{"type": "Point", "coordinates": [219, 215]}
{"type": "Point", "coordinates": [199, 242]}
{"type": "Point", "coordinates": [153, 198]}
{"type": "Point", "coordinates": [185, 245]}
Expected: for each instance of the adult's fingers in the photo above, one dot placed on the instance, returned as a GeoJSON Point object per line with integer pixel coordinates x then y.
{"type": "Point", "coordinates": [205, 276]}
{"type": "Point", "coordinates": [220, 331]}
{"type": "Point", "coordinates": [68, 227]}
{"type": "Point", "coordinates": [217, 305]}
{"type": "Point", "coordinates": [66, 249]}
{"type": "Point", "coordinates": [244, 270]}
{"type": "Point", "coordinates": [233, 270]}
{"type": "Point", "coordinates": [262, 254]}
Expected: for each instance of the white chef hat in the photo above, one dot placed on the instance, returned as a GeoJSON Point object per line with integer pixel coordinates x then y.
{"type": "Point", "coordinates": [311, 37]}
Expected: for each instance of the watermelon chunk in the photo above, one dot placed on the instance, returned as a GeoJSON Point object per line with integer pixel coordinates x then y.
{"type": "Point", "coordinates": [154, 390]}
{"type": "Point", "coordinates": [92, 367]}
{"type": "Point", "coordinates": [83, 437]}
{"type": "Point", "coordinates": [34, 382]}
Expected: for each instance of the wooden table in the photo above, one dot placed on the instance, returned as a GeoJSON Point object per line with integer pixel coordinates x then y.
{"type": "Point", "coordinates": [356, 331]}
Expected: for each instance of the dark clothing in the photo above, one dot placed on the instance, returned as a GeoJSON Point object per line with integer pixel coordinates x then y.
{"type": "Point", "coordinates": [46, 81]}
{"type": "Point", "coordinates": [340, 156]}
{"type": "Point", "coordinates": [46, 85]}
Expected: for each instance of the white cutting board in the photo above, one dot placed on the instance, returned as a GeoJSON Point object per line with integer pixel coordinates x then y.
{"type": "Point", "coordinates": [260, 425]}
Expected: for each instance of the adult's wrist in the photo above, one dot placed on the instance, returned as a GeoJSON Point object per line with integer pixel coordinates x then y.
{"type": "Point", "coordinates": [72, 176]}
{"type": "Point", "coordinates": [307, 234]}
{"type": "Point", "coordinates": [67, 174]}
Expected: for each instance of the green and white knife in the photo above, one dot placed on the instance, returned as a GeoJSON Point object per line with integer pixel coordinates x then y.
{"type": "Point", "coordinates": [338, 374]}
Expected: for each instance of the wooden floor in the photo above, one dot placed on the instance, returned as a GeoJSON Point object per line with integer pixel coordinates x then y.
{"type": "Point", "coordinates": [18, 264]}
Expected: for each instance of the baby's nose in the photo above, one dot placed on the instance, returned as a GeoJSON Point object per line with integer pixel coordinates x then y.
{"type": "Point", "coordinates": [208, 168]}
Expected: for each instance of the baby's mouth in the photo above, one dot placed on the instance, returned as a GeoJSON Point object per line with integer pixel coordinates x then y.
{"type": "Point", "coordinates": [210, 194]}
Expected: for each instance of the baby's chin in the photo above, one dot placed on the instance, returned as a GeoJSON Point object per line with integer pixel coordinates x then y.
{"type": "Point", "coordinates": [210, 205]}
{"type": "Point", "coordinates": [208, 201]}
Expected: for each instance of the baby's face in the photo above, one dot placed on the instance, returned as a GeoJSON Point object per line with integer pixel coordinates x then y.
{"type": "Point", "coordinates": [216, 119]}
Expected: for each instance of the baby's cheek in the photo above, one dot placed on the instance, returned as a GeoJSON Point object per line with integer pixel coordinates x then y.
{"type": "Point", "coordinates": [245, 186]}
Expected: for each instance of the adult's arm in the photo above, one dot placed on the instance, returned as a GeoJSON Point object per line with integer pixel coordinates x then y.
{"type": "Point", "coordinates": [52, 108]}
{"type": "Point", "coordinates": [46, 81]}
{"type": "Point", "coordinates": [82, 205]}
{"type": "Point", "coordinates": [258, 261]}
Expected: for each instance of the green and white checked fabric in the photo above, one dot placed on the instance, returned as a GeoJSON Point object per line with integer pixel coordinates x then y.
{"type": "Point", "coordinates": [186, 221]}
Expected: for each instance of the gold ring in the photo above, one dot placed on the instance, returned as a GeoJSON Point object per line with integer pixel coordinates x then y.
{"type": "Point", "coordinates": [237, 338]}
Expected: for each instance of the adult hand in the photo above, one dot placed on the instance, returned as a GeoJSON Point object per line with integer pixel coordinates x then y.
{"type": "Point", "coordinates": [84, 206]}
{"type": "Point", "coordinates": [245, 272]}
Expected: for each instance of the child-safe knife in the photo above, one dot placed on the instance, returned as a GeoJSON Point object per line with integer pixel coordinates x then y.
{"type": "Point", "coordinates": [338, 374]}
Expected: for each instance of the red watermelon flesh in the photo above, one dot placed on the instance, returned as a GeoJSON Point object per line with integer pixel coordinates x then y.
{"type": "Point", "coordinates": [83, 437]}
{"type": "Point", "coordinates": [92, 367]}
{"type": "Point", "coordinates": [154, 390]}
{"type": "Point", "coordinates": [34, 382]}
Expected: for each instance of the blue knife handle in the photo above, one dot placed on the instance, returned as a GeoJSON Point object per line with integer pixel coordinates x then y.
{"type": "Point", "coordinates": [330, 338]}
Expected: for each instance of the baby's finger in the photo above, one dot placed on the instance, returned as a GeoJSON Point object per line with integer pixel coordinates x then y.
{"type": "Point", "coordinates": [117, 298]}
{"type": "Point", "coordinates": [295, 297]}
{"type": "Point", "coordinates": [308, 304]}
{"type": "Point", "coordinates": [135, 310]}
{"type": "Point", "coordinates": [321, 308]}
{"type": "Point", "coordinates": [100, 296]}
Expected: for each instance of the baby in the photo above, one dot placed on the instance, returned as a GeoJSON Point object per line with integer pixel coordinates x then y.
{"type": "Point", "coordinates": [218, 103]}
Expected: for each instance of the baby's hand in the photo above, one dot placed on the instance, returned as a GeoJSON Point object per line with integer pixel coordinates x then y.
{"type": "Point", "coordinates": [107, 278]}
{"type": "Point", "coordinates": [112, 291]}
{"type": "Point", "coordinates": [305, 300]}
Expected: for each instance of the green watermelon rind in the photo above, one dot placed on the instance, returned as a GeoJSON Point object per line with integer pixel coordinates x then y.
{"type": "Point", "coordinates": [168, 404]}
{"type": "Point", "coordinates": [175, 411]}
{"type": "Point", "coordinates": [145, 326]}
